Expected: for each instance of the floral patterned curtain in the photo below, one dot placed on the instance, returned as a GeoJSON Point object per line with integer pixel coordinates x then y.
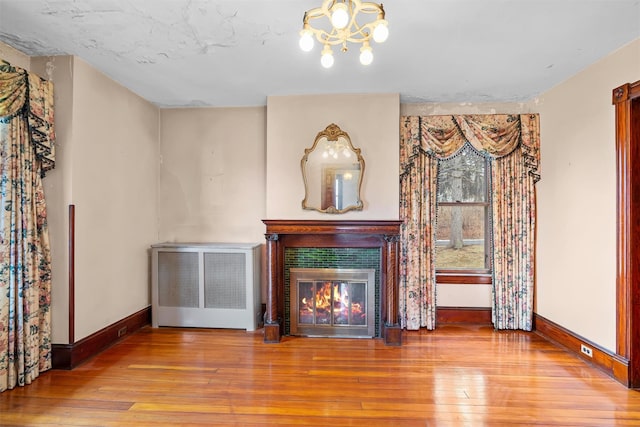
{"type": "Point", "coordinates": [512, 143]}
{"type": "Point", "coordinates": [418, 177]}
{"type": "Point", "coordinates": [26, 144]}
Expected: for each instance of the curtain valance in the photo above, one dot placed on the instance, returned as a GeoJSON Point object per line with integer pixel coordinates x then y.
{"type": "Point", "coordinates": [21, 91]}
{"type": "Point", "coordinates": [494, 135]}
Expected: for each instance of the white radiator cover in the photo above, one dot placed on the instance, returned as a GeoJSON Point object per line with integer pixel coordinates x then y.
{"type": "Point", "coordinates": [206, 285]}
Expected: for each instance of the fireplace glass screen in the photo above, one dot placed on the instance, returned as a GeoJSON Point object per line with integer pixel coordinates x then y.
{"type": "Point", "coordinates": [332, 303]}
{"type": "Point", "coordinates": [329, 302]}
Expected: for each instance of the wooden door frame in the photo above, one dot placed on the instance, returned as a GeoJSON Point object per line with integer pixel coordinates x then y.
{"type": "Point", "coordinates": [626, 99]}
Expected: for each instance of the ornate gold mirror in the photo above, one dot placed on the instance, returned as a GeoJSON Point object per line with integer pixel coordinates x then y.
{"type": "Point", "coordinates": [332, 170]}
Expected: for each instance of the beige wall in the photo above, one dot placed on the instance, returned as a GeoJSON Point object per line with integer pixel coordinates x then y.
{"type": "Point", "coordinates": [577, 198]}
{"type": "Point", "coordinates": [372, 122]}
{"type": "Point", "coordinates": [212, 175]}
{"type": "Point", "coordinates": [114, 167]}
{"type": "Point", "coordinates": [14, 57]}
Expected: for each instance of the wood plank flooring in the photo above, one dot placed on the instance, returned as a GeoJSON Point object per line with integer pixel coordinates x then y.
{"type": "Point", "coordinates": [459, 375]}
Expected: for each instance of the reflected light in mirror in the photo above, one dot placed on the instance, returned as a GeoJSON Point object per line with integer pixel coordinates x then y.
{"type": "Point", "coordinates": [335, 148]}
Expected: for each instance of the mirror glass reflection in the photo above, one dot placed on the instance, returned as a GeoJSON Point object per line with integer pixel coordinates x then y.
{"type": "Point", "coordinates": [332, 170]}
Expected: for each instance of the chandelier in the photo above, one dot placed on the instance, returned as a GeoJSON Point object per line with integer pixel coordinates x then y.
{"type": "Point", "coordinates": [341, 26]}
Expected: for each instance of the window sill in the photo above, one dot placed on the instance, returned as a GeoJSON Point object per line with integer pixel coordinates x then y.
{"type": "Point", "coordinates": [464, 278]}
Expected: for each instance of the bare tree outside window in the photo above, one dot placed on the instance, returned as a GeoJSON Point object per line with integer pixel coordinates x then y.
{"type": "Point", "coordinates": [462, 212]}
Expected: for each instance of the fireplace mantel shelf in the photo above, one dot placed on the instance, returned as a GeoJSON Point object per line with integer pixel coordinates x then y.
{"type": "Point", "coordinates": [331, 227]}
{"type": "Point", "coordinates": [282, 234]}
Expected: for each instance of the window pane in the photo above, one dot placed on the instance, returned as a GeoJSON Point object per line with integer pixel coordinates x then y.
{"type": "Point", "coordinates": [461, 178]}
{"type": "Point", "coordinates": [460, 241]}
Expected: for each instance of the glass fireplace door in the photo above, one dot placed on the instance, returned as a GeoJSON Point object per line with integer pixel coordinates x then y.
{"type": "Point", "coordinates": [330, 305]}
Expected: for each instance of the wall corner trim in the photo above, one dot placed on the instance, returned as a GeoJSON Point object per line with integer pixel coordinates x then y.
{"type": "Point", "coordinates": [610, 363]}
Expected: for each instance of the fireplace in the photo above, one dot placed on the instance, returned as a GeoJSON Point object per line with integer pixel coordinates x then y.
{"type": "Point", "coordinates": [347, 245]}
{"type": "Point", "coordinates": [331, 302]}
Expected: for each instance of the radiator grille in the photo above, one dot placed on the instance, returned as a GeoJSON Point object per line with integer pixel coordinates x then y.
{"type": "Point", "coordinates": [206, 285]}
{"type": "Point", "coordinates": [225, 280]}
{"type": "Point", "coordinates": [178, 279]}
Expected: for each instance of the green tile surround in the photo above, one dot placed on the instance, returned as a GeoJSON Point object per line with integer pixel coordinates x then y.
{"type": "Point", "coordinates": [356, 258]}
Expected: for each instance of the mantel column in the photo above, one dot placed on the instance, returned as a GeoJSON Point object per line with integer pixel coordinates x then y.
{"type": "Point", "coordinates": [272, 331]}
{"type": "Point", "coordinates": [392, 331]}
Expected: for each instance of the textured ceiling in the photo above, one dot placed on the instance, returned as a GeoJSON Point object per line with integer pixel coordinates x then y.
{"type": "Point", "coordinates": [238, 52]}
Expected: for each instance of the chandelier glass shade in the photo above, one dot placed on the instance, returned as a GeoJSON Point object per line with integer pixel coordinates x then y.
{"type": "Point", "coordinates": [340, 22]}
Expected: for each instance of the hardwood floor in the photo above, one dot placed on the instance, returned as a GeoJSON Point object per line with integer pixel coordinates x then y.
{"type": "Point", "coordinates": [458, 375]}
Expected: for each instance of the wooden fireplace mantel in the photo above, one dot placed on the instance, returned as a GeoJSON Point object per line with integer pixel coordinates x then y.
{"type": "Point", "coordinates": [282, 234]}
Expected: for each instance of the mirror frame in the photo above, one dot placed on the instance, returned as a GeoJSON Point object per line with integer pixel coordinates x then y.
{"type": "Point", "coordinates": [332, 133]}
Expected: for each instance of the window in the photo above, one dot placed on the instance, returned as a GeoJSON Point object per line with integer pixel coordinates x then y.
{"type": "Point", "coordinates": [463, 223]}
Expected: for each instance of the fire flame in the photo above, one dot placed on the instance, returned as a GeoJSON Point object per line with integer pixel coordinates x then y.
{"type": "Point", "coordinates": [333, 296]}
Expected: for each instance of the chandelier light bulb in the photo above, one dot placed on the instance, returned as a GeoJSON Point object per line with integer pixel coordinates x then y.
{"type": "Point", "coordinates": [341, 23]}
{"type": "Point", "coordinates": [366, 54]}
{"type": "Point", "coordinates": [339, 15]}
{"type": "Point", "coordinates": [327, 57]}
{"type": "Point", "coordinates": [381, 32]}
{"type": "Point", "coordinates": [306, 40]}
